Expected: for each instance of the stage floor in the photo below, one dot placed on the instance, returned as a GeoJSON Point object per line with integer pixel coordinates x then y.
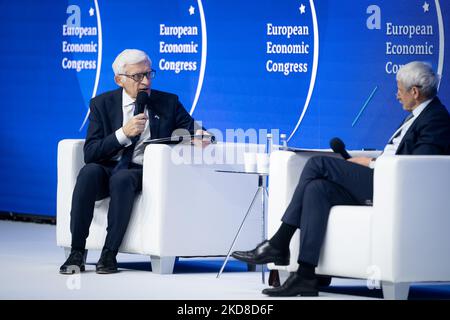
{"type": "Point", "coordinates": [30, 259]}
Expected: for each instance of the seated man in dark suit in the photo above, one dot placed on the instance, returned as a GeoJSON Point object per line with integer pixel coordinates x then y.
{"type": "Point", "coordinates": [327, 181]}
{"type": "Point", "coordinates": [113, 152]}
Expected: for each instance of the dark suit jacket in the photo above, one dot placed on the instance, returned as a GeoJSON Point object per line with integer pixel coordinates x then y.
{"type": "Point", "coordinates": [166, 114]}
{"type": "Point", "coordinates": [430, 132]}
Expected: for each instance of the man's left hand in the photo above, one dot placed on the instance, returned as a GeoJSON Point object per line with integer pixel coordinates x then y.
{"type": "Point", "coordinates": [364, 161]}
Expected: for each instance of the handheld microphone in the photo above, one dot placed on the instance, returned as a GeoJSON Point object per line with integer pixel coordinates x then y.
{"type": "Point", "coordinates": [141, 101]}
{"type": "Point", "coordinates": [338, 146]}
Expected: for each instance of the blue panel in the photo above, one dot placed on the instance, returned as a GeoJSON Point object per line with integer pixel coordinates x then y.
{"type": "Point", "coordinates": [306, 68]}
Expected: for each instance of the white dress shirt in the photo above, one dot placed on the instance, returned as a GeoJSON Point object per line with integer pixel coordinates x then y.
{"type": "Point", "coordinates": [128, 105]}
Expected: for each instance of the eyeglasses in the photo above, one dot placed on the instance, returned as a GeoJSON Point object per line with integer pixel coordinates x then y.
{"type": "Point", "coordinates": [138, 77]}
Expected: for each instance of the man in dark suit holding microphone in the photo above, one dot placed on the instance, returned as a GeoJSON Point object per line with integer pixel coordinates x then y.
{"type": "Point", "coordinates": [327, 181]}
{"type": "Point", "coordinates": [119, 122]}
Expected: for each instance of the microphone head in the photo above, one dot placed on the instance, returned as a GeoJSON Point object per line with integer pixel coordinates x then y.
{"type": "Point", "coordinates": [141, 98]}
{"type": "Point", "coordinates": [337, 144]}
{"type": "Point", "coordinates": [141, 101]}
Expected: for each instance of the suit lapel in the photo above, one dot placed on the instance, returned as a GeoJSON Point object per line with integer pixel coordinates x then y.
{"type": "Point", "coordinates": [116, 110]}
{"type": "Point", "coordinates": [154, 118]}
{"type": "Point", "coordinates": [416, 122]}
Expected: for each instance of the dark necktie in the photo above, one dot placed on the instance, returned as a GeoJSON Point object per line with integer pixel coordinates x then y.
{"type": "Point", "coordinates": [400, 131]}
{"type": "Point", "coordinates": [127, 154]}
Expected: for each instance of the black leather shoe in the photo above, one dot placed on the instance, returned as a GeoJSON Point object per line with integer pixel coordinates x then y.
{"type": "Point", "coordinates": [74, 263]}
{"type": "Point", "coordinates": [262, 254]}
{"type": "Point", "coordinates": [107, 262]}
{"type": "Point", "coordinates": [293, 286]}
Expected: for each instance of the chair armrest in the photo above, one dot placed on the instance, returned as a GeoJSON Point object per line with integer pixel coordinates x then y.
{"type": "Point", "coordinates": [364, 153]}
{"type": "Point", "coordinates": [412, 217]}
{"type": "Point", "coordinates": [189, 204]}
{"type": "Point", "coordinates": [285, 169]}
{"type": "Point", "coordinates": [70, 161]}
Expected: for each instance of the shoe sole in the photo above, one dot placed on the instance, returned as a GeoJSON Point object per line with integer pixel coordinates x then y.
{"type": "Point", "coordinates": [309, 294]}
{"type": "Point", "coordinates": [106, 271]}
{"type": "Point", "coordinates": [276, 262]}
{"type": "Point", "coordinates": [303, 294]}
{"type": "Point", "coordinates": [72, 271]}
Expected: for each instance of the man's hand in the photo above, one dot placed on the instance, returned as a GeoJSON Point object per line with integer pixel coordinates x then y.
{"type": "Point", "coordinates": [364, 161]}
{"type": "Point", "coordinates": [135, 126]}
{"type": "Point", "coordinates": [199, 142]}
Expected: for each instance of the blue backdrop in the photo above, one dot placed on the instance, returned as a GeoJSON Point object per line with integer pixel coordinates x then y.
{"type": "Point", "coordinates": [312, 69]}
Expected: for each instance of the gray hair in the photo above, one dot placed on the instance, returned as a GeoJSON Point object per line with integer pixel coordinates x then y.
{"type": "Point", "coordinates": [129, 56]}
{"type": "Point", "coordinates": [421, 75]}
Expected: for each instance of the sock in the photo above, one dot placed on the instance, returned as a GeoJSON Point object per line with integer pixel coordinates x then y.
{"type": "Point", "coordinates": [306, 270]}
{"type": "Point", "coordinates": [282, 237]}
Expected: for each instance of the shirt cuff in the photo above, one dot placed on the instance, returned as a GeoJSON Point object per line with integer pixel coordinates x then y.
{"type": "Point", "coordinates": [122, 138]}
{"type": "Point", "coordinates": [372, 164]}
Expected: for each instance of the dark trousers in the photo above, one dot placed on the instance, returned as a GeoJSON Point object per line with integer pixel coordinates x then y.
{"type": "Point", "coordinates": [95, 182]}
{"type": "Point", "coordinates": [325, 182]}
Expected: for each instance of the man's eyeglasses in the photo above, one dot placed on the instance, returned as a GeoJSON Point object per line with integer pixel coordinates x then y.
{"type": "Point", "coordinates": [138, 77]}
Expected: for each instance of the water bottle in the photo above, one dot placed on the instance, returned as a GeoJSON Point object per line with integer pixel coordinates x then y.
{"type": "Point", "coordinates": [269, 143]}
{"type": "Point", "coordinates": [283, 142]}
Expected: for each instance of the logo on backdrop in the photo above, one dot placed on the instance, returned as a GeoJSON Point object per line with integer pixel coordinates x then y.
{"type": "Point", "coordinates": [294, 49]}
{"type": "Point", "coordinates": [82, 47]}
{"type": "Point", "coordinates": [418, 35]}
{"type": "Point", "coordinates": [182, 46]}
{"type": "Point", "coordinates": [295, 45]}
{"type": "Point", "coordinates": [78, 40]}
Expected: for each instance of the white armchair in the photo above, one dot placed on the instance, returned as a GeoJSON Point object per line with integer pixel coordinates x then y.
{"type": "Point", "coordinates": [184, 210]}
{"type": "Point", "coordinates": [403, 238]}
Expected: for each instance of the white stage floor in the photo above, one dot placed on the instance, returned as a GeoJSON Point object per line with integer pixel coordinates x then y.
{"type": "Point", "coordinates": [30, 260]}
